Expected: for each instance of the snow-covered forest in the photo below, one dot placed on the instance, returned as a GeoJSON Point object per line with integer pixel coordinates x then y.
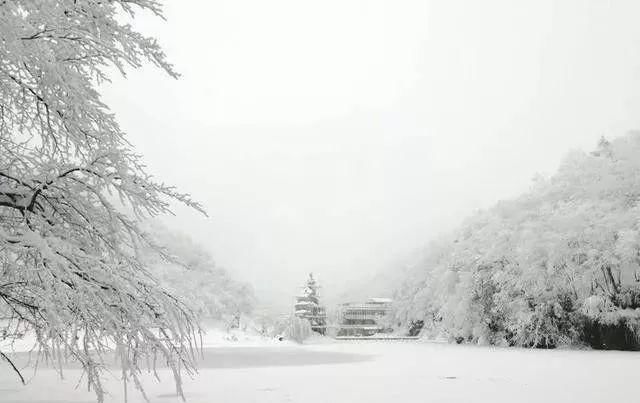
{"type": "Point", "coordinates": [249, 224]}
{"type": "Point", "coordinates": [559, 265]}
{"type": "Point", "coordinates": [191, 273]}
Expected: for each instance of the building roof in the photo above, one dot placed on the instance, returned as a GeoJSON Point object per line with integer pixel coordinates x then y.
{"type": "Point", "coordinates": [378, 300]}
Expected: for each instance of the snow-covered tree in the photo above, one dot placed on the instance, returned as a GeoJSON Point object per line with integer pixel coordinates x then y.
{"type": "Point", "coordinates": [72, 191]}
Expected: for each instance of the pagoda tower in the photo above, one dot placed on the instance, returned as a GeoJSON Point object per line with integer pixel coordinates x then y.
{"type": "Point", "coordinates": [308, 306]}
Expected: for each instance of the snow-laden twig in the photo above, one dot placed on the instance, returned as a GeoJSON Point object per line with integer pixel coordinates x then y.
{"type": "Point", "coordinates": [73, 191]}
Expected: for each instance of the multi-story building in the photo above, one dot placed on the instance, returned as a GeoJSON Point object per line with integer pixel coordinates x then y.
{"type": "Point", "coordinates": [365, 318]}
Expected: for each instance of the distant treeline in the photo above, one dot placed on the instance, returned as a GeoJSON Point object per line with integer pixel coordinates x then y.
{"type": "Point", "coordinates": [190, 272]}
{"type": "Point", "coordinates": [559, 265]}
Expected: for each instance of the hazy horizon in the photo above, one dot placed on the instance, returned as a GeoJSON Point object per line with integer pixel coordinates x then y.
{"type": "Point", "coordinates": [338, 137]}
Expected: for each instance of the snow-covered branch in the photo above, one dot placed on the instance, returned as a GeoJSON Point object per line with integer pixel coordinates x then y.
{"type": "Point", "coordinates": [72, 192]}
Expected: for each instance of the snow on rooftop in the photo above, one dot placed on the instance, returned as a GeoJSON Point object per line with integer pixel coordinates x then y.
{"type": "Point", "coordinates": [380, 300]}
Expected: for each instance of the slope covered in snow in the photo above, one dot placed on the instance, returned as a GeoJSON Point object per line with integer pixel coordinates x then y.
{"type": "Point", "coordinates": [558, 265]}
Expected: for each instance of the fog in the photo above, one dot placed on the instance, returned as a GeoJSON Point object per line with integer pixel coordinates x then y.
{"type": "Point", "coordinates": [340, 136]}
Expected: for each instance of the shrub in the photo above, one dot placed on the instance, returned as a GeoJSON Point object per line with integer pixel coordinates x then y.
{"type": "Point", "coordinates": [299, 329]}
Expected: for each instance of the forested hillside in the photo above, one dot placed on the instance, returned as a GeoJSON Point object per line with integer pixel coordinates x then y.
{"type": "Point", "coordinates": [558, 265]}
{"type": "Point", "coordinates": [191, 273]}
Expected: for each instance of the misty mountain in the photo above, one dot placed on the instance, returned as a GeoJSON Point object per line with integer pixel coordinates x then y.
{"type": "Point", "coordinates": [190, 272]}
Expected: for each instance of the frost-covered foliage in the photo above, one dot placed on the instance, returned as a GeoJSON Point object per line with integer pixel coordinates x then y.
{"type": "Point", "coordinates": [72, 191]}
{"type": "Point", "coordinates": [192, 274]}
{"type": "Point", "coordinates": [299, 329]}
{"type": "Point", "coordinates": [558, 265]}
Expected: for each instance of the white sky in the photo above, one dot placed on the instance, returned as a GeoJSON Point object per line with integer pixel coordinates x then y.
{"type": "Point", "coordinates": [334, 136]}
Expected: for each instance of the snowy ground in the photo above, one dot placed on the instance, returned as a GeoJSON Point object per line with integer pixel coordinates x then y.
{"type": "Point", "coordinates": [245, 371]}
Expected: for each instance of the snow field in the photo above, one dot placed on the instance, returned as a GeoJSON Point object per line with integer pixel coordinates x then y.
{"type": "Point", "coordinates": [372, 372]}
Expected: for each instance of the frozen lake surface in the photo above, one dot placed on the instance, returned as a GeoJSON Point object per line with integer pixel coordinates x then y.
{"type": "Point", "coordinates": [368, 372]}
